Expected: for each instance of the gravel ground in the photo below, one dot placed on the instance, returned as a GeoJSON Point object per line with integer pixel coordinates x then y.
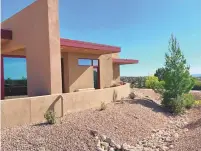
{"type": "Point", "coordinates": [127, 122]}
{"type": "Point", "coordinates": [191, 141]}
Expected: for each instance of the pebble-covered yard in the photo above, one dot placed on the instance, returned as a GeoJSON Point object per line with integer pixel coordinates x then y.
{"type": "Point", "coordinates": [140, 123]}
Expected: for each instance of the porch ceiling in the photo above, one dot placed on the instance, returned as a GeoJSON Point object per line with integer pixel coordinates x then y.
{"type": "Point", "coordinates": [124, 61]}
{"type": "Point", "coordinates": [67, 45]}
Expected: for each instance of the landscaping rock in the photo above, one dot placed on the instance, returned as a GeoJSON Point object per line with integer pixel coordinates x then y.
{"type": "Point", "coordinates": [103, 137]}
{"type": "Point", "coordinates": [176, 135]}
{"type": "Point", "coordinates": [124, 146]}
{"type": "Point", "coordinates": [171, 146]}
{"type": "Point", "coordinates": [105, 144]}
{"type": "Point", "coordinates": [111, 149]}
{"type": "Point", "coordinates": [41, 149]}
{"type": "Point", "coordinates": [100, 149]}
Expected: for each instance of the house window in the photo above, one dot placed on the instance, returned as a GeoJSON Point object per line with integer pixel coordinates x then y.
{"type": "Point", "coordinates": [84, 62]}
{"type": "Point", "coordinates": [95, 62]}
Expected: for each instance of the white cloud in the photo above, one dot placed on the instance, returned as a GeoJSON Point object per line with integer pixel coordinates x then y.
{"type": "Point", "coordinates": [195, 70]}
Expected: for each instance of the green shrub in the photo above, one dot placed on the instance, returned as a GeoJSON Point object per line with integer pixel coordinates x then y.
{"type": "Point", "coordinates": [176, 105]}
{"type": "Point", "coordinates": [197, 85]}
{"type": "Point", "coordinates": [188, 100]}
{"type": "Point", "coordinates": [137, 82]}
{"type": "Point", "coordinates": [197, 102]}
{"type": "Point", "coordinates": [159, 87]}
{"type": "Point", "coordinates": [151, 82]}
{"type": "Point", "coordinates": [103, 106]}
{"type": "Point", "coordinates": [50, 116]}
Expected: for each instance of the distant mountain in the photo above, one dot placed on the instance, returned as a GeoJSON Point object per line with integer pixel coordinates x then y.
{"type": "Point", "coordinates": [196, 75]}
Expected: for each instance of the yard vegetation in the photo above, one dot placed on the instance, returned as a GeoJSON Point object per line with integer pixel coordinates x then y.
{"type": "Point", "coordinates": [173, 81]}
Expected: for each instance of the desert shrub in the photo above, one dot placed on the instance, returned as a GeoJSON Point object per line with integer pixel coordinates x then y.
{"type": "Point", "coordinates": [115, 95]}
{"type": "Point", "coordinates": [135, 82]}
{"type": "Point", "coordinates": [197, 102]}
{"type": "Point", "coordinates": [197, 85]}
{"type": "Point", "coordinates": [151, 82]}
{"type": "Point", "coordinates": [177, 105]}
{"type": "Point", "coordinates": [50, 116]}
{"type": "Point", "coordinates": [132, 95]}
{"type": "Point", "coordinates": [174, 105]}
{"type": "Point", "coordinates": [188, 100]}
{"type": "Point", "coordinates": [103, 106]}
{"type": "Point", "coordinates": [140, 82]}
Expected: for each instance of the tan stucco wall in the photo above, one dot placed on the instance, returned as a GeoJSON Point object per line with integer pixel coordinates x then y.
{"type": "Point", "coordinates": [80, 77]}
{"type": "Point", "coordinates": [115, 55]}
{"type": "Point", "coordinates": [106, 70]}
{"type": "Point", "coordinates": [37, 29]}
{"type": "Point", "coordinates": [31, 109]}
{"type": "Point", "coordinates": [116, 72]}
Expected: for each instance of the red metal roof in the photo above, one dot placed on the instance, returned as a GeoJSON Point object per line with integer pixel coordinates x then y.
{"type": "Point", "coordinates": [124, 61]}
{"type": "Point", "coordinates": [6, 34]}
{"type": "Point", "coordinates": [88, 45]}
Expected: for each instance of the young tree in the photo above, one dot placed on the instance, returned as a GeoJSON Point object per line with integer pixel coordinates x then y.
{"type": "Point", "coordinates": [177, 76]}
{"type": "Point", "coordinates": [160, 73]}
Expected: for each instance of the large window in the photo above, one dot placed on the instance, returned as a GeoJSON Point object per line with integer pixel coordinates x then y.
{"type": "Point", "coordinates": [15, 77]}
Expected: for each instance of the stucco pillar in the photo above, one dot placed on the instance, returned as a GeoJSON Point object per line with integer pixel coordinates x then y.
{"type": "Point", "coordinates": [2, 79]}
{"type": "Point", "coordinates": [116, 72]}
{"type": "Point", "coordinates": [43, 51]}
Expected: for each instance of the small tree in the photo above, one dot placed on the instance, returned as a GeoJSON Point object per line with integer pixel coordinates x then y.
{"type": "Point", "coordinates": [160, 73]}
{"type": "Point", "coordinates": [177, 76]}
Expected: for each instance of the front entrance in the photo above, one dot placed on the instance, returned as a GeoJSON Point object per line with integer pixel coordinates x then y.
{"type": "Point", "coordinates": [96, 74]}
{"type": "Point", "coordinates": [95, 78]}
{"type": "Point", "coordinates": [62, 74]}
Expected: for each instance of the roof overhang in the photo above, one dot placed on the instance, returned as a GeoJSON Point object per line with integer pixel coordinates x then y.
{"type": "Point", "coordinates": [6, 34]}
{"type": "Point", "coordinates": [87, 47]}
{"type": "Point", "coordinates": [124, 61]}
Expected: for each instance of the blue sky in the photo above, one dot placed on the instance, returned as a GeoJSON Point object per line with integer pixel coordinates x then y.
{"type": "Point", "coordinates": [141, 28]}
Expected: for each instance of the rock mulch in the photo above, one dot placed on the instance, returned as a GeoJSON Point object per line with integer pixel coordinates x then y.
{"type": "Point", "coordinates": [129, 122]}
{"type": "Point", "coordinates": [160, 140]}
{"type": "Point", "coordinates": [121, 122]}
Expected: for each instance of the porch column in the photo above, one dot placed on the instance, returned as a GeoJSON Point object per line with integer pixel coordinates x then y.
{"type": "Point", "coordinates": [43, 51]}
{"type": "Point", "coordinates": [2, 79]}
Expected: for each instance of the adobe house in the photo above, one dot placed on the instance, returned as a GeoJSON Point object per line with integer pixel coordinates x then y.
{"type": "Point", "coordinates": [56, 65]}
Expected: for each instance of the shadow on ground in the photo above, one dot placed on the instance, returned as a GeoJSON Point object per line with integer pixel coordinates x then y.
{"type": "Point", "coordinates": [149, 104]}
{"type": "Point", "coordinates": [194, 125]}
{"type": "Point", "coordinates": [41, 124]}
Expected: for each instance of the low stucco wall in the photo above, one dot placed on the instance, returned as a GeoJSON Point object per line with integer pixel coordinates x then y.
{"type": "Point", "coordinates": [31, 109]}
